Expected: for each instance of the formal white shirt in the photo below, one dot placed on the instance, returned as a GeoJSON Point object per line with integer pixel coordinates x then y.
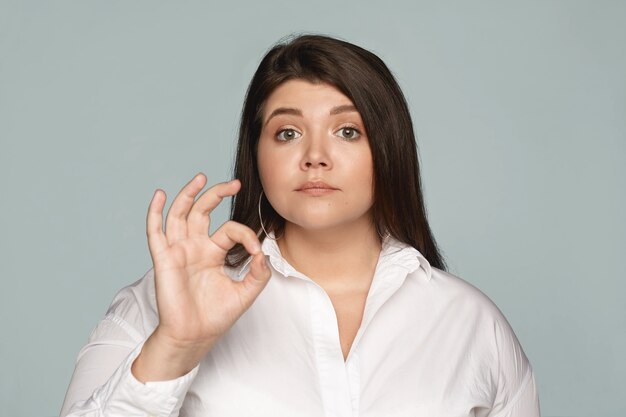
{"type": "Point", "coordinates": [429, 345]}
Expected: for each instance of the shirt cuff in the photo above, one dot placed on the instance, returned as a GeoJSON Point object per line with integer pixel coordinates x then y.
{"type": "Point", "coordinates": [125, 395]}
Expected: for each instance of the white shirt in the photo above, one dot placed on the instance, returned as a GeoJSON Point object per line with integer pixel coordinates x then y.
{"type": "Point", "coordinates": [429, 345]}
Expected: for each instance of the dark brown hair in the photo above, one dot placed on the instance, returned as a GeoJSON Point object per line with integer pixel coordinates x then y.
{"type": "Point", "coordinates": [398, 207]}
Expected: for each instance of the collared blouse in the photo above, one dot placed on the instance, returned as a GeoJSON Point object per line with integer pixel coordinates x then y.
{"type": "Point", "coordinates": [429, 345]}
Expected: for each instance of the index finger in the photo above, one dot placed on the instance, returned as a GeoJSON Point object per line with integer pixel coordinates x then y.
{"type": "Point", "coordinates": [199, 220]}
{"type": "Point", "coordinates": [176, 223]}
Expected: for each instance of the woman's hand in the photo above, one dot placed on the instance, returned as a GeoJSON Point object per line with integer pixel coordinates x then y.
{"type": "Point", "coordinates": [197, 301]}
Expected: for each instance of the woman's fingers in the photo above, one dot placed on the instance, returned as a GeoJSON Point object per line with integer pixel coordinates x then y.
{"type": "Point", "coordinates": [188, 217]}
{"type": "Point", "coordinates": [231, 233]}
{"type": "Point", "coordinates": [154, 224]}
{"type": "Point", "coordinates": [198, 221]}
{"type": "Point", "coordinates": [176, 223]}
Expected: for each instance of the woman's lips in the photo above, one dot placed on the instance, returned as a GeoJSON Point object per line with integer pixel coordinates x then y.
{"type": "Point", "coordinates": [316, 188]}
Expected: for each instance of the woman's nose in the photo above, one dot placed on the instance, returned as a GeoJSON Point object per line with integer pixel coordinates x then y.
{"type": "Point", "coordinates": [316, 152]}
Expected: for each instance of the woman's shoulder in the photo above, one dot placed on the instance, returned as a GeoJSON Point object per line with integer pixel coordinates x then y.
{"type": "Point", "coordinates": [489, 330]}
{"type": "Point", "coordinates": [462, 304]}
{"type": "Point", "coordinates": [451, 288]}
{"type": "Point", "coordinates": [441, 289]}
{"type": "Point", "coordinates": [469, 322]}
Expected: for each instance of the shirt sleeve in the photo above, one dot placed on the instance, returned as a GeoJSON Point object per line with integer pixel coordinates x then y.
{"type": "Point", "coordinates": [102, 384]}
{"type": "Point", "coordinates": [516, 394]}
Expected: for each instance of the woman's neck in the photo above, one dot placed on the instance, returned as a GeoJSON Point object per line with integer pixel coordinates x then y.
{"type": "Point", "coordinates": [340, 260]}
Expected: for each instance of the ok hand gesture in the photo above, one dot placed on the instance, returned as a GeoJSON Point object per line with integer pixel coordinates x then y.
{"type": "Point", "coordinates": [197, 301]}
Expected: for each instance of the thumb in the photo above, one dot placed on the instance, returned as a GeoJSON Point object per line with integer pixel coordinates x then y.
{"type": "Point", "coordinates": [255, 280]}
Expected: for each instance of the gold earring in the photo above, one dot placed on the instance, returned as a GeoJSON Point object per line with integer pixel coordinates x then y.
{"type": "Point", "coordinates": [261, 219]}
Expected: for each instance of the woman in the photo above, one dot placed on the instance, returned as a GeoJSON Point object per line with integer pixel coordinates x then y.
{"type": "Point", "coordinates": [325, 295]}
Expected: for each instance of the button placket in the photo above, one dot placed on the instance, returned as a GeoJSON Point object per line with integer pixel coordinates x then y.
{"type": "Point", "coordinates": [334, 385]}
{"type": "Point", "coordinates": [353, 369]}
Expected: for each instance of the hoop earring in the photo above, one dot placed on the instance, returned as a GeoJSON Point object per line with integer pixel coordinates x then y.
{"type": "Point", "coordinates": [261, 220]}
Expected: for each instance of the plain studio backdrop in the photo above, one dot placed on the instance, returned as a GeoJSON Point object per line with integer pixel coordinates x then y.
{"type": "Point", "coordinates": [519, 110]}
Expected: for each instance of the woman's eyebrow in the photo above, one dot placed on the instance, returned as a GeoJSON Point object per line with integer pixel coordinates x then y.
{"type": "Point", "coordinates": [342, 109]}
{"type": "Point", "coordinates": [297, 112]}
{"type": "Point", "coordinates": [284, 110]}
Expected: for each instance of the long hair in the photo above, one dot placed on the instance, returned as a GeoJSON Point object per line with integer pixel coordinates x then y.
{"type": "Point", "coordinates": [398, 207]}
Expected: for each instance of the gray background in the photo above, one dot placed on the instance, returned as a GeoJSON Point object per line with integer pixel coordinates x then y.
{"type": "Point", "coordinates": [519, 112]}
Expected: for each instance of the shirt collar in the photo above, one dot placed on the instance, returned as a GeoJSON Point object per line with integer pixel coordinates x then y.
{"type": "Point", "coordinates": [393, 252]}
{"type": "Point", "coordinates": [399, 253]}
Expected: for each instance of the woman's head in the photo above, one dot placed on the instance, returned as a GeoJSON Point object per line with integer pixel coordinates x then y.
{"type": "Point", "coordinates": [359, 75]}
{"type": "Point", "coordinates": [314, 160]}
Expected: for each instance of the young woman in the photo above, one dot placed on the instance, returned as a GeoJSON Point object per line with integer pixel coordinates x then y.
{"type": "Point", "coordinates": [325, 295]}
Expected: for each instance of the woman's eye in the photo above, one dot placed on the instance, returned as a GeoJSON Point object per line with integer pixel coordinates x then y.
{"type": "Point", "coordinates": [349, 133]}
{"type": "Point", "coordinates": [287, 134]}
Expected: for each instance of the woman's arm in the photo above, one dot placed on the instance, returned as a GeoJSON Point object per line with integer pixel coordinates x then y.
{"type": "Point", "coordinates": [102, 383]}
{"type": "Point", "coordinates": [195, 300]}
{"type": "Point", "coordinates": [516, 394]}
{"type": "Point", "coordinates": [108, 346]}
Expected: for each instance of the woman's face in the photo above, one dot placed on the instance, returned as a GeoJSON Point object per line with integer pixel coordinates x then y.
{"type": "Point", "coordinates": [314, 157]}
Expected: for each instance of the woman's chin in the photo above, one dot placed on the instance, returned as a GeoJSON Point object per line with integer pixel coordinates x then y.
{"type": "Point", "coordinates": [324, 223]}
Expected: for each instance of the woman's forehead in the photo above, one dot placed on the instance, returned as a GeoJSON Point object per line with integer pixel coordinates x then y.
{"type": "Point", "coordinates": [297, 97]}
